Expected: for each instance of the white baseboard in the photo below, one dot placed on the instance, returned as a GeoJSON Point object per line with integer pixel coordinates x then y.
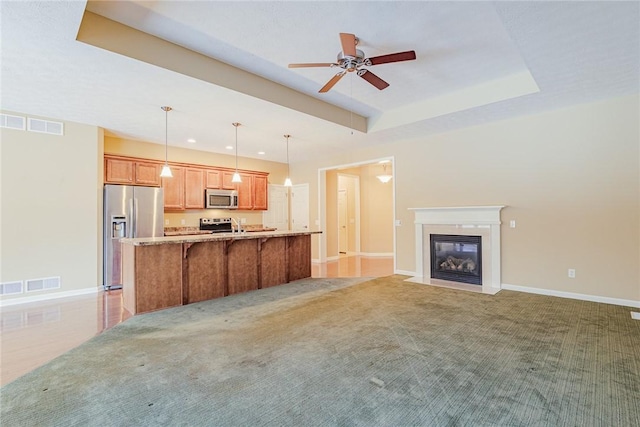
{"type": "Point", "coordinates": [49, 296]}
{"type": "Point", "coordinates": [572, 295]}
{"type": "Point", "coordinates": [405, 272]}
{"type": "Point", "coordinates": [333, 258]}
{"type": "Point", "coordinates": [376, 254]}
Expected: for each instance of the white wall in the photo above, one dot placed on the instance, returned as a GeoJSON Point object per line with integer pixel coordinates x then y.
{"type": "Point", "coordinates": [51, 207]}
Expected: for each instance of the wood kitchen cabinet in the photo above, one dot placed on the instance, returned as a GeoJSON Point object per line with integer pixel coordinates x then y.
{"type": "Point", "coordinates": [226, 181]}
{"type": "Point", "coordinates": [147, 174]}
{"type": "Point", "coordinates": [213, 179]}
{"type": "Point", "coordinates": [194, 188]}
{"type": "Point", "coordinates": [185, 190]}
{"type": "Point", "coordinates": [174, 190]}
{"type": "Point", "coordinates": [260, 190]}
{"type": "Point", "coordinates": [252, 192]}
{"type": "Point", "coordinates": [131, 172]}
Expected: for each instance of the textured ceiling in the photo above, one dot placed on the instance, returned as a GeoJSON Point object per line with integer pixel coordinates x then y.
{"type": "Point", "coordinates": [476, 62]}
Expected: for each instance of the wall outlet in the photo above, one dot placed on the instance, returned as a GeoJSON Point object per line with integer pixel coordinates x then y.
{"type": "Point", "coordinates": [398, 222]}
{"type": "Point", "coordinates": [512, 223]}
{"type": "Point", "coordinates": [572, 273]}
{"type": "Point", "coordinates": [166, 222]}
{"type": "Point", "coordinates": [183, 222]}
{"type": "Point", "coordinates": [243, 220]}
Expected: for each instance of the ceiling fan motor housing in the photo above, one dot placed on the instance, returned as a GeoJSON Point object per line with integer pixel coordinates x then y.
{"type": "Point", "coordinates": [351, 63]}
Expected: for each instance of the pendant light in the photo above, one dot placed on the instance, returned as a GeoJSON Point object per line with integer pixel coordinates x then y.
{"type": "Point", "coordinates": [166, 170]}
{"type": "Point", "coordinates": [384, 178]}
{"type": "Point", "coordinates": [287, 182]}
{"type": "Point", "coordinates": [236, 175]}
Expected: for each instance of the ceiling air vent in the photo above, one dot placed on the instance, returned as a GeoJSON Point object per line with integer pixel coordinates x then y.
{"type": "Point", "coordinates": [9, 288]}
{"type": "Point", "coordinates": [12, 122]}
{"type": "Point", "coordinates": [45, 126]}
{"type": "Point", "coordinates": [43, 284]}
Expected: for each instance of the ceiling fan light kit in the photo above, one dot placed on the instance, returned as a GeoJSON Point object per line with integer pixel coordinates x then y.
{"type": "Point", "coordinates": [351, 60]}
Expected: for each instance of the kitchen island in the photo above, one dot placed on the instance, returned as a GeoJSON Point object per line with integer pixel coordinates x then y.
{"type": "Point", "coordinates": [163, 272]}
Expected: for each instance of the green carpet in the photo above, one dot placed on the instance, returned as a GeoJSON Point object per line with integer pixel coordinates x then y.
{"type": "Point", "coordinates": [347, 352]}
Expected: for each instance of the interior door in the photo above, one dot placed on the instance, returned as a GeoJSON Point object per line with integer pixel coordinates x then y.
{"type": "Point", "coordinates": [300, 207]}
{"type": "Point", "coordinates": [343, 222]}
{"type": "Point", "coordinates": [278, 213]}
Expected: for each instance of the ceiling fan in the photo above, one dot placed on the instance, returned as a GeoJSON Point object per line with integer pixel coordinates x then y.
{"type": "Point", "coordinates": [352, 59]}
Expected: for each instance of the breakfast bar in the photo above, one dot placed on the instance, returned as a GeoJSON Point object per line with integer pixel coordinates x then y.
{"type": "Point", "coordinates": [163, 272]}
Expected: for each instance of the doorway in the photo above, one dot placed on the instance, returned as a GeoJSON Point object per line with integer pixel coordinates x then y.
{"type": "Point", "coordinates": [375, 218]}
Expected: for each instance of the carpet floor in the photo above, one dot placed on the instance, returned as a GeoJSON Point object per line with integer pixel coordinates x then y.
{"type": "Point", "coordinates": [347, 352]}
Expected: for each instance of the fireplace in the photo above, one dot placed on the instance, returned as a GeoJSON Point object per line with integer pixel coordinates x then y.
{"type": "Point", "coordinates": [482, 225]}
{"type": "Point", "coordinates": [456, 258]}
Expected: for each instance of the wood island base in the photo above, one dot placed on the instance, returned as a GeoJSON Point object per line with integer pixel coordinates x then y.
{"type": "Point", "coordinates": [159, 274]}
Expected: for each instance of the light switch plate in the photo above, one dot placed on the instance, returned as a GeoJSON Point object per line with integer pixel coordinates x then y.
{"type": "Point", "coordinates": [512, 223]}
{"type": "Point", "coordinates": [635, 315]}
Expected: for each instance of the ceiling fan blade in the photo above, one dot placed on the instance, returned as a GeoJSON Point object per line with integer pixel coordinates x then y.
{"type": "Point", "coordinates": [348, 42]}
{"type": "Point", "coordinates": [312, 64]}
{"type": "Point", "coordinates": [332, 82]}
{"type": "Point", "coordinates": [393, 57]}
{"type": "Point", "coordinates": [373, 79]}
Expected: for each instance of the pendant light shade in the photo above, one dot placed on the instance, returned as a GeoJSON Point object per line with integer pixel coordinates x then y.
{"type": "Point", "coordinates": [287, 181]}
{"type": "Point", "coordinates": [166, 170]}
{"type": "Point", "coordinates": [236, 175]}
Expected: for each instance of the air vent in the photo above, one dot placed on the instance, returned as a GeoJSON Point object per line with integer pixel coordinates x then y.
{"type": "Point", "coordinates": [43, 284]}
{"type": "Point", "coordinates": [45, 126]}
{"type": "Point", "coordinates": [12, 122]}
{"type": "Point", "coordinates": [9, 288]}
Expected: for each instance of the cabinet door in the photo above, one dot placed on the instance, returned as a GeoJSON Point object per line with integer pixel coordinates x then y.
{"type": "Point", "coordinates": [245, 192]}
{"type": "Point", "coordinates": [260, 192]}
{"type": "Point", "coordinates": [174, 190]}
{"type": "Point", "coordinates": [118, 171]}
{"type": "Point", "coordinates": [148, 174]}
{"type": "Point", "coordinates": [226, 181]}
{"type": "Point", "coordinates": [214, 179]}
{"type": "Point", "coordinates": [194, 189]}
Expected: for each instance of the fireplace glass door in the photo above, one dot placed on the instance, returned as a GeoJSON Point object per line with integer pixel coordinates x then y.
{"type": "Point", "coordinates": [456, 258]}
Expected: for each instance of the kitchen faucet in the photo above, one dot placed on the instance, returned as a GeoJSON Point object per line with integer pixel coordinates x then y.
{"type": "Point", "coordinates": [238, 226]}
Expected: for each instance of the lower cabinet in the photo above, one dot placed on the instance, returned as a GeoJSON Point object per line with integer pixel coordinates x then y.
{"type": "Point", "coordinates": [206, 270]}
{"type": "Point", "coordinates": [171, 274]}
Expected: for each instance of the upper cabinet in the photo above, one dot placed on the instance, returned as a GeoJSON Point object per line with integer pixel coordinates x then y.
{"type": "Point", "coordinates": [174, 190]}
{"type": "Point", "coordinates": [252, 191]}
{"type": "Point", "coordinates": [185, 190]}
{"type": "Point", "coordinates": [131, 172]}
{"type": "Point", "coordinates": [194, 188]}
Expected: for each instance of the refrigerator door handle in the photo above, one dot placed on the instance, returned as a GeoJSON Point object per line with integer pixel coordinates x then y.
{"type": "Point", "coordinates": [132, 218]}
{"type": "Point", "coordinates": [135, 215]}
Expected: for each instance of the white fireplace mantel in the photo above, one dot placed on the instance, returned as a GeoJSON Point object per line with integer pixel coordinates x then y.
{"type": "Point", "coordinates": [463, 220]}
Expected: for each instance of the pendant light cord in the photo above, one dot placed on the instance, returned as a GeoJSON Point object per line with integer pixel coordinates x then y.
{"type": "Point", "coordinates": [166, 137]}
{"type": "Point", "coordinates": [236, 125]}
{"type": "Point", "coordinates": [288, 173]}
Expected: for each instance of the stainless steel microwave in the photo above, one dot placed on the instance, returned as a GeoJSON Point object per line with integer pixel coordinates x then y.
{"type": "Point", "coordinates": [220, 199]}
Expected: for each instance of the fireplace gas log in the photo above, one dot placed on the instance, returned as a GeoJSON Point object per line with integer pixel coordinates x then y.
{"type": "Point", "coordinates": [451, 263]}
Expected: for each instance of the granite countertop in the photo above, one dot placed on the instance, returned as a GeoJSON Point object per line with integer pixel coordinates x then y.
{"type": "Point", "coordinates": [195, 238]}
{"type": "Point", "coordinates": [186, 230]}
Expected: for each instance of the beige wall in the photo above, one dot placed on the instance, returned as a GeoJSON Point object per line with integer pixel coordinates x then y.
{"type": "Point", "coordinates": [570, 179]}
{"type": "Point", "coordinates": [376, 210]}
{"type": "Point", "coordinates": [51, 207]}
{"type": "Point", "coordinates": [376, 233]}
{"type": "Point", "coordinates": [277, 174]}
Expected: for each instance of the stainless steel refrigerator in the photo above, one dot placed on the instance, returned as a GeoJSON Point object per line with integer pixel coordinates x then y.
{"type": "Point", "coordinates": [129, 211]}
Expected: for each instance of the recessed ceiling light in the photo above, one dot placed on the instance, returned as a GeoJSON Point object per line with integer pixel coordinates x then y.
{"type": "Point", "coordinates": [261, 152]}
{"type": "Point", "coordinates": [229, 147]}
{"type": "Point", "coordinates": [191, 141]}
